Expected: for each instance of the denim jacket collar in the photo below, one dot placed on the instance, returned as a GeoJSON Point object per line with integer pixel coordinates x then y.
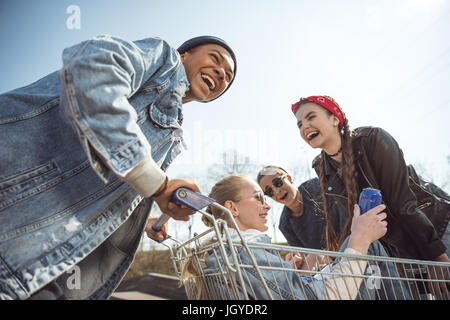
{"type": "Point", "coordinates": [250, 235]}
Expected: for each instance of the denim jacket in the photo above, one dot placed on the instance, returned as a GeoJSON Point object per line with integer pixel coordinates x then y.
{"type": "Point", "coordinates": [75, 145]}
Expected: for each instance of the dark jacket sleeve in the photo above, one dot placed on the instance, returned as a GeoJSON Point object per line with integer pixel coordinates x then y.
{"type": "Point", "coordinates": [390, 170]}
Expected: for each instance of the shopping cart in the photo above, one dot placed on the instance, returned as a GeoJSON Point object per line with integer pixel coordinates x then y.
{"type": "Point", "coordinates": [221, 264]}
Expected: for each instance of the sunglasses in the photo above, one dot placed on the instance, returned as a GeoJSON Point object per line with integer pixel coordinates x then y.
{"type": "Point", "coordinates": [277, 183]}
{"type": "Point", "coordinates": [259, 196]}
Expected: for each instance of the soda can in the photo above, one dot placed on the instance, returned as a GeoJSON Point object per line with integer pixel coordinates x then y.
{"type": "Point", "coordinates": [368, 199]}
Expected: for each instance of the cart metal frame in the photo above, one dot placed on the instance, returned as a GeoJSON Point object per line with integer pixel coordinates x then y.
{"type": "Point", "coordinates": [229, 283]}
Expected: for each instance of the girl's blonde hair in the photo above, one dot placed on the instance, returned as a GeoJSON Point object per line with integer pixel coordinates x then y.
{"type": "Point", "coordinates": [225, 189]}
{"type": "Point", "coordinates": [228, 188]}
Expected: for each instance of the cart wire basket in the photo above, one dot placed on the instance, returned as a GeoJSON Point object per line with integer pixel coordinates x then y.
{"type": "Point", "coordinates": [220, 264]}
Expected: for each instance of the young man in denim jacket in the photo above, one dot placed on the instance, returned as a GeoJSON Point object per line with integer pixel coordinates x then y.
{"type": "Point", "coordinates": [84, 154]}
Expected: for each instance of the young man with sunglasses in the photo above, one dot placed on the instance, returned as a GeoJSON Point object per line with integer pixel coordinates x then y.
{"type": "Point", "coordinates": [302, 220]}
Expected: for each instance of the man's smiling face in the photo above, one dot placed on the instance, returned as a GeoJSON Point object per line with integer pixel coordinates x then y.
{"type": "Point", "coordinates": [284, 193]}
{"type": "Point", "coordinates": [209, 69]}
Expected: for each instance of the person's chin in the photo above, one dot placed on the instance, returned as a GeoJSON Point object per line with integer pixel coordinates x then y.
{"type": "Point", "coordinates": [315, 143]}
{"type": "Point", "coordinates": [287, 200]}
{"type": "Point", "coordinates": [202, 97]}
{"type": "Point", "coordinates": [200, 92]}
{"type": "Point", "coordinates": [208, 97]}
{"type": "Point", "coordinates": [291, 202]}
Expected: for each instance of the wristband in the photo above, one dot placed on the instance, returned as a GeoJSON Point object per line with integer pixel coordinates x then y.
{"type": "Point", "coordinates": [161, 191]}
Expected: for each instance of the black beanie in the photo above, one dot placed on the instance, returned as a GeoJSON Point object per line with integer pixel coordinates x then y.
{"type": "Point", "coordinates": [198, 41]}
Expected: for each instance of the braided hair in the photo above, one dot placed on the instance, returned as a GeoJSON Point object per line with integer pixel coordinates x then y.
{"type": "Point", "coordinates": [348, 175]}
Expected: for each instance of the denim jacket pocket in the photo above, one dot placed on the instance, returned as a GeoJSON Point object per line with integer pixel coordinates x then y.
{"type": "Point", "coordinates": [24, 184]}
{"type": "Point", "coordinates": [167, 119]}
{"type": "Point", "coordinates": [175, 95]}
{"type": "Point", "coordinates": [166, 110]}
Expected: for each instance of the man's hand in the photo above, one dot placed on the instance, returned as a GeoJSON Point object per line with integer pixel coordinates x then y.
{"type": "Point", "coordinates": [168, 207]}
{"type": "Point", "coordinates": [152, 234]}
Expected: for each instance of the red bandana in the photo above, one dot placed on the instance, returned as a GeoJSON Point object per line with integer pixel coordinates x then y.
{"type": "Point", "coordinates": [326, 102]}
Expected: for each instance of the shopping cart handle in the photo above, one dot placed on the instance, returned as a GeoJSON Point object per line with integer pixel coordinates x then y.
{"type": "Point", "coordinates": [186, 197]}
{"type": "Point", "coordinates": [160, 222]}
{"type": "Point", "coordinates": [191, 199]}
{"type": "Point", "coordinates": [158, 225]}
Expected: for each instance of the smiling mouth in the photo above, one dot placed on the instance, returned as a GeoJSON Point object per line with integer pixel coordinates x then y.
{"type": "Point", "coordinates": [312, 135]}
{"type": "Point", "coordinates": [284, 197]}
{"type": "Point", "coordinates": [209, 82]}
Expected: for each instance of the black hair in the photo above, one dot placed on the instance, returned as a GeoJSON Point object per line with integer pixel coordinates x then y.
{"type": "Point", "coordinates": [262, 173]}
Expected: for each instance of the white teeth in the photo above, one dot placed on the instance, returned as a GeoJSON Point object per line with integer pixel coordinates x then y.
{"type": "Point", "coordinates": [211, 82]}
{"type": "Point", "coordinates": [311, 134]}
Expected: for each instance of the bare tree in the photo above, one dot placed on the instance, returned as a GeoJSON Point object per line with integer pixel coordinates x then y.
{"type": "Point", "coordinates": [232, 163]}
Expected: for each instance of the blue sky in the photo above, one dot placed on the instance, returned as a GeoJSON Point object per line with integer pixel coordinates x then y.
{"type": "Point", "coordinates": [386, 62]}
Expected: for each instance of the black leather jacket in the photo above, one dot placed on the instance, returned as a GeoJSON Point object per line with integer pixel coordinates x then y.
{"type": "Point", "coordinates": [379, 164]}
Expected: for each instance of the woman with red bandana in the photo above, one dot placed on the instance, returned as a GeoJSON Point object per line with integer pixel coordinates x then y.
{"type": "Point", "coordinates": [368, 157]}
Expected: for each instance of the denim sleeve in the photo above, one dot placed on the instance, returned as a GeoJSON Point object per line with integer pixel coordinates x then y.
{"type": "Point", "coordinates": [281, 280]}
{"type": "Point", "coordinates": [98, 77]}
